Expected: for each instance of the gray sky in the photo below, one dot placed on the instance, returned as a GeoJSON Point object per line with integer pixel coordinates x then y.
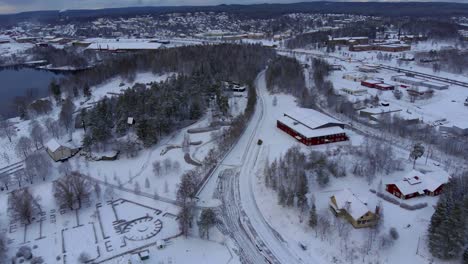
{"type": "Point", "coordinates": [14, 6]}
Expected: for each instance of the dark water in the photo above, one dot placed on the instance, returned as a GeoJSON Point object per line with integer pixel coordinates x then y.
{"type": "Point", "coordinates": [22, 82]}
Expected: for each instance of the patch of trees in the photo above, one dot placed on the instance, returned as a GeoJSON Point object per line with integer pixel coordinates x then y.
{"type": "Point", "coordinates": [294, 174]}
{"type": "Point", "coordinates": [185, 196]}
{"type": "Point", "coordinates": [23, 205]}
{"type": "Point", "coordinates": [358, 29]}
{"type": "Point", "coordinates": [169, 105]}
{"type": "Point", "coordinates": [374, 158]}
{"type": "Point", "coordinates": [451, 60]}
{"type": "Point", "coordinates": [286, 75]}
{"type": "Point", "coordinates": [72, 190]}
{"type": "Point", "coordinates": [448, 230]}
{"type": "Point", "coordinates": [67, 56]}
{"type": "Point", "coordinates": [319, 38]}
{"type": "Point", "coordinates": [288, 177]}
{"type": "Point", "coordinates": [226, 62]}
{"type": "Point", "coordinates": [41, 107]}
{"type": "Point", "coordinates": [433, 28]}
{"type": "Point", "coordinates": [7, 128]}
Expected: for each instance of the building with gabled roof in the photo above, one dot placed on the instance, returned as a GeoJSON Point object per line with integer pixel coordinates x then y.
{"type": "Point", "coordinates": [58, 152]}
{"type": "Point", "coordinates": [416, 184]}
{"type": "Point", "coordinates": [356, 211]}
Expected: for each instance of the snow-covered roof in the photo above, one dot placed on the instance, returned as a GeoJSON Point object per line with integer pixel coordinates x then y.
{"type": "Point", "coordinates": [125, 46]}
{"type": "Point", "coordinates": [417, 182]}
{"type": "Point", "coordinates": [348, 201]}
{"type": "Point", "coordinates": [310, 118]}
{"type": "Point", "coordinates": [307, 122]}
{"type": "Point", "coordinates": [53, 145]}
{"type": "Point", "coordinates": [372, 81]}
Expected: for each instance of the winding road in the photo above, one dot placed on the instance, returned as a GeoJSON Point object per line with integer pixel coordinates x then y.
{"type": "Point", "coordinates": [232, 182]}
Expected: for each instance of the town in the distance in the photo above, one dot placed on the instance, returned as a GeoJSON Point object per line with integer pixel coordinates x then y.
{"type": "Point", "coordinates": [295, 133]}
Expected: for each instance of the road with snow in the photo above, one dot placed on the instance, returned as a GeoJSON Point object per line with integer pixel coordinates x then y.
{"type": "Point", "coordinates": [232, 181]}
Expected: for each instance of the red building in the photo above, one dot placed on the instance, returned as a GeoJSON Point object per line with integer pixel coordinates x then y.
{"type": "Point", "coordinates": [370, 83]}
{"type": "Point", "coordinates": [417, 184]}
{"type": "Point", "coordinates": [384, 86]}
{"type": "Point", "coordinates": [311, 127]}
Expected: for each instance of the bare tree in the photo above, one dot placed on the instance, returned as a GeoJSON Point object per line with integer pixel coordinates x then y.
{"type": "Point", "coordinates": [72, 189]}
{"type": "Point", "coordinates": [207, 220]}
{"type": "Point", "coordinates": [37, 134]}
{"type": "Point", "coordinates": [7, 129]}
{"type": "Point", "coordinates": [66, 114]}
{"type": "Point", "coordinates": [186, 143]}
{"type": "Point", "coordinates": [157, 168]}
{"type": "Point", "coordinates": [167, 165]}
{"type": "Point", "coordinates": [23, 204]}
{"type": "Point", "coordinates": [53, 127]}
{"type": "Point", "coordinates": [185, 219]}
{"type": "Point", "coordinates": [23, 147]}
{"type": "Point", "coordinates": [37, 165]}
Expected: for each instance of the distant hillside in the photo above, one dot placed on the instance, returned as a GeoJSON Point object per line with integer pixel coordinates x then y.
{"type": "Point", "coordinates": [432, 9]}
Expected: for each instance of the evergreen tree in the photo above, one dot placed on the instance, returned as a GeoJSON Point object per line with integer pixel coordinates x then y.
{"type": "Point", "coordinates": [303, 189]}
{"type": "Point", "coordinates": [86, 90]}
{"type": "Point", "coordinates": [55, 90]}
{"type": "Point", "coordinates": [465, 257]}
{"type": "Point", "coordinates": [313, 216]}
{"type": "Point", "coordinates": [455, 236]}
{"type": "Point", "coordinates": [436, 221]}
{"type": "Point", "coordinates": [281, 196]}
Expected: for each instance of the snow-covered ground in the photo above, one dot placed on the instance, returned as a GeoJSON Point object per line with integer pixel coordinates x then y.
{"type": "Point", "coordinates": [126, 220]}
{"type": "Point", "coordinates": [410, 248]}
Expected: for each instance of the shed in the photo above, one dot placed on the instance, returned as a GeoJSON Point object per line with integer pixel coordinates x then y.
{"type": "Point", "coordinates": [58, 152]}
{"type": "Point", "coordinates": [144, 255]}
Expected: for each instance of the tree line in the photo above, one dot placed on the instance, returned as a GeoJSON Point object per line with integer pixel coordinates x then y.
{"type": "Point", "coordinates": [448, 229]}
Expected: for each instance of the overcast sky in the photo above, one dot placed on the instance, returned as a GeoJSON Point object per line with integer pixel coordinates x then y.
{"type": "Point", "coordinates": [14, 6]}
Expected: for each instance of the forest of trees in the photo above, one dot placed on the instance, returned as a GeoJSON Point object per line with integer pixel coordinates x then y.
{"type": "Point", "coordinates": [307, 39]}
{"type": "Point", "coordinates": [239, 63]}
{"type": "Point", "coordinates": [286, 75]}
{"type": "Point", "coordinates": [165, 106]}
{"type": "Point", "coordinates": [433, 28]}
{"type": "Point", "coordinates": [448, 229]}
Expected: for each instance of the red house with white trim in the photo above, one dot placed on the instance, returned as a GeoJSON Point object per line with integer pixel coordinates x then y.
{"type": "Point", "coordinates": [415, 184]}
{"type": "Point", "coordinates": [311, 127]}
